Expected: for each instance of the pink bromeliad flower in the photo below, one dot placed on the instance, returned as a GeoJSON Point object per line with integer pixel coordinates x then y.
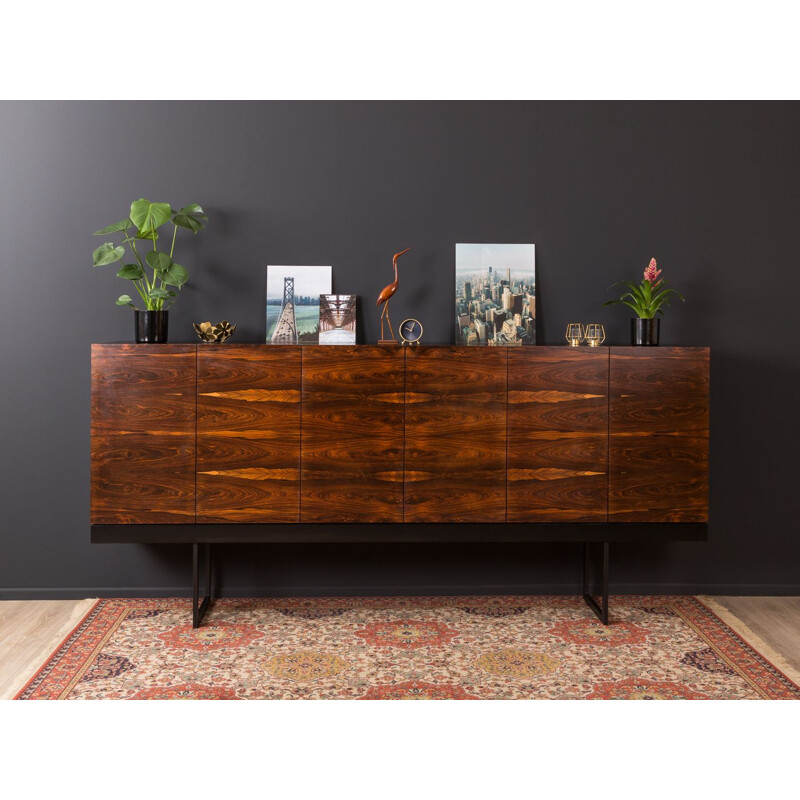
{"type": "Point", "coordinates": [651, 273]}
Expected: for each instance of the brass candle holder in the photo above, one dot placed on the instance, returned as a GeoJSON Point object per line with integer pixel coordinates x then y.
{"type": "Point", "coordinates": [574, 334]}
{"type": "Point", "coordinates": [595, 334]}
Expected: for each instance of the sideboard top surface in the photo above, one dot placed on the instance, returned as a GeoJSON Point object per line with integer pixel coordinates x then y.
{"type": "Point", "coordinates": [620, 349]}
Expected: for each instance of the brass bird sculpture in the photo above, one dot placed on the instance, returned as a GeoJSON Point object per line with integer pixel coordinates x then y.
{"type": "Point", "coordinates": [386, 294]}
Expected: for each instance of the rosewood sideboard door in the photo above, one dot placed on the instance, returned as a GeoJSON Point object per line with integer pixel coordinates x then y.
{"type": "Point", "coordinates": [455, 450]}
{"type": "Point", "coordinates": [143, 425]}
{"type": "Point", "coordinates": [248, 433]}
{"type": "Point", "coordinates": [557, 434]}
{"type": "Point", "coordinates": [352, 434]}
{"type": "Point", "coordinates": [658, 426]}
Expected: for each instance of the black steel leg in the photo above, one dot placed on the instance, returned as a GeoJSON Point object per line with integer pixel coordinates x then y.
{"type": "Point", "coordinates": [600, 611]}
{"type": "Point", "coordinates": [199, 611]}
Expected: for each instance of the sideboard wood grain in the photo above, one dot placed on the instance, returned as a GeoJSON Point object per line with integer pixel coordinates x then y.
{"type": "Point", "coordinates": [255, 434]}
{"type": "Point", "coordinates": [658, 434]}
{"type": "Point", "coordinates": [248, 433]}
{"type": "Point", "coordinates": [352, 434]}
{"type": "Point", "coordinates": [557, 434]}
{"type": "Point", "coordinates": [143, 434]}
{"type": "Point", "coordinates": [455, 443]}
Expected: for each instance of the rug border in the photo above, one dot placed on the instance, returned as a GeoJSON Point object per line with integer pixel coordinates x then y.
{"type": "Point", "coordinates": [71, 627]}
{"type": "Point", "coordinates": [749, 639]}
{"type": "Point", "coordinates": [752, 639]}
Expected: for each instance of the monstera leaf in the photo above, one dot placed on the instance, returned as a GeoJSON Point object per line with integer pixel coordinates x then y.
{"type": "Point", "coordinates": [160, 262]}
{"type": "Point", "coordinates": [176, 275]}
{"type": "Point", "coordinates": [191, 217]}
{"type": "Point", "coordinates": [151, 236]}
{"type": "Point", "coordinates": [125, 300]}
{"type": "Point", "coordinates": [131, 271]}
{"type": "Point", "coordinates": [122, 225]}
{"type": "Point", "coordinates": [107, 254]}
{"type": "Point", "coordinates": [147, 216]}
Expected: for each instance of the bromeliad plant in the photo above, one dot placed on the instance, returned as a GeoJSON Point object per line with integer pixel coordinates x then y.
{"type": "Point", "coordinates": [647, 298]}
{"type": "Point", "coordinates": [141, 230]}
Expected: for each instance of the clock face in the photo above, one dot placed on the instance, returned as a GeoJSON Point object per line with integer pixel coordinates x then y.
{"type": "Point", "coordinates": [410, 330]}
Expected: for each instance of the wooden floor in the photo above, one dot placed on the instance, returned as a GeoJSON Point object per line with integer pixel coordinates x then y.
{"type": "Point", "coordinates": [31, 629]}
{"type": "Point", "coordinates": [775, 619]}
{"type": "Point", "coordinates": [29, 633]}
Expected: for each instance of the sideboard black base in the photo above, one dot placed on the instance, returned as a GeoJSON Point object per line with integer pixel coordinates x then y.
{"type": "Point", "coordinates": [241, 533]}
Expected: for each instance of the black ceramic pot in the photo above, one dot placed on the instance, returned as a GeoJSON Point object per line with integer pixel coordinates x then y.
{"type": "Point", "coordinates": [644, 332]}
{"type": "Point", "coordinates": [151, 326]}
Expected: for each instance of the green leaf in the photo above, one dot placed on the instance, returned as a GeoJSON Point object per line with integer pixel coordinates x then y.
{"type": "Point", "coordinates": [667, 293]}
{"type": "Point", "coordinates": [131, 272]}
{"type": "Point", "coordinates": [635, 290]}
{"type": "Point", "coordinates": [663, 299]}
{"type": "Point", "coordinates": [149, 235]}
{"type": "Point", "coordinates": [176, 275]}
{"type": "Point", "coordinates": [138, 237]}
{"type": "Point", "coordinates": [160, 262]}
{"type": "Point", "coordinates": [125, 300]}
{"type": "Point", "coordinates": [636, 302]}
{"type": "Point", "coordinates": [191, 217]}
{"type": "Point", "coordinates": [147, 216]}
{"type": "Point", "coordinates": [158, 293]}
{"type": "Point", "coordinates": [636, 308]}
{"type": "Point", "coordinates": [122, 225]}
{"type": "Point", "coordinates": [647, 291]}
{"type": "Point", "coordinates": [107, 254]}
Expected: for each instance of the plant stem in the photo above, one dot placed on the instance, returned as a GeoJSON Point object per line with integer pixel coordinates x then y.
{"type": "Point", "coordinates": [141, 293]}
{"type": "Point", "coordinates": [174, 234]}
{"type": "Point", "coordinates": [144, 271]}
{"type": "Point", "coordinates": [158, 302]}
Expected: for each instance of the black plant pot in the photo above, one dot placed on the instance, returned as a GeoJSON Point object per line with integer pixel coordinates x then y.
{"type": "Point", "coordinates": [151, 326]}
{"type": "Point", "coordinates": [644, 332]}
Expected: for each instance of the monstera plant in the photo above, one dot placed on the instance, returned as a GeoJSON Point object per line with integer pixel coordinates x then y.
{"type": "Point", "coordinates": [155, 276]}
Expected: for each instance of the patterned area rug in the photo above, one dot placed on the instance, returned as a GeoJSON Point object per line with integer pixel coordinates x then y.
{"type": "Point", "coordinates": [417, 648]}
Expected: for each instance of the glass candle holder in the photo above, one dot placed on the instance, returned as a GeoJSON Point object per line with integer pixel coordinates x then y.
{"type": "Point", "coordinates": [595, 334]}
{"type": "Point", "coordinates": [574, 334]}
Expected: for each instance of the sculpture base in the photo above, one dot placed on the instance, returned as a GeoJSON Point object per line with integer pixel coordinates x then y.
{"type": "Point", "coordinates": [387, 341]}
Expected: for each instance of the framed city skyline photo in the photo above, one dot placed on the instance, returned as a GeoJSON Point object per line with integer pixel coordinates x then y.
{"type": "Point", "coordinates": [293, 303]}
{"type": "Point", "coordinates": [495, 294]}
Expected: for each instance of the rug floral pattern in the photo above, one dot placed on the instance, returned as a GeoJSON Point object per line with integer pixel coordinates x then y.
{"type": "Point", "coordinates": [415, 648]}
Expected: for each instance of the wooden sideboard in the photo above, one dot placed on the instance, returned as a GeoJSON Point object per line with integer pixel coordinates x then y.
{"type": "Point", "coordinates": [204, 443]}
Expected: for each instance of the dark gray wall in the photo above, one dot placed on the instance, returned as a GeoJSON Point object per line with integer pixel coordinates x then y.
{"type": "Point", "coordinates": [709, 189]}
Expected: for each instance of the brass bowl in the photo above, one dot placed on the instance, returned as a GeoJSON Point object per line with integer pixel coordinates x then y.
{"type": "Point", "coordinates": [216, 333]}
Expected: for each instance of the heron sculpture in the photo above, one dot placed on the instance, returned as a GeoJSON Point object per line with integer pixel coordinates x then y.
{"type": "Point", "coordinates": [386, 294]}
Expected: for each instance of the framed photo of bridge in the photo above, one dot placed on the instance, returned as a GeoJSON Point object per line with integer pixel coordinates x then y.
{"type": "Point", "coordinates": [293, 303]}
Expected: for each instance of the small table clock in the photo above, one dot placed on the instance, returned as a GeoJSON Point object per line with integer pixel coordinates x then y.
{"type": "Point", "coordinates": [410, 331]}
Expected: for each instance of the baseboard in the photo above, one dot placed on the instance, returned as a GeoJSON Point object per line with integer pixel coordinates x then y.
{"type": "Point", "coordinates": [732, 589]}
